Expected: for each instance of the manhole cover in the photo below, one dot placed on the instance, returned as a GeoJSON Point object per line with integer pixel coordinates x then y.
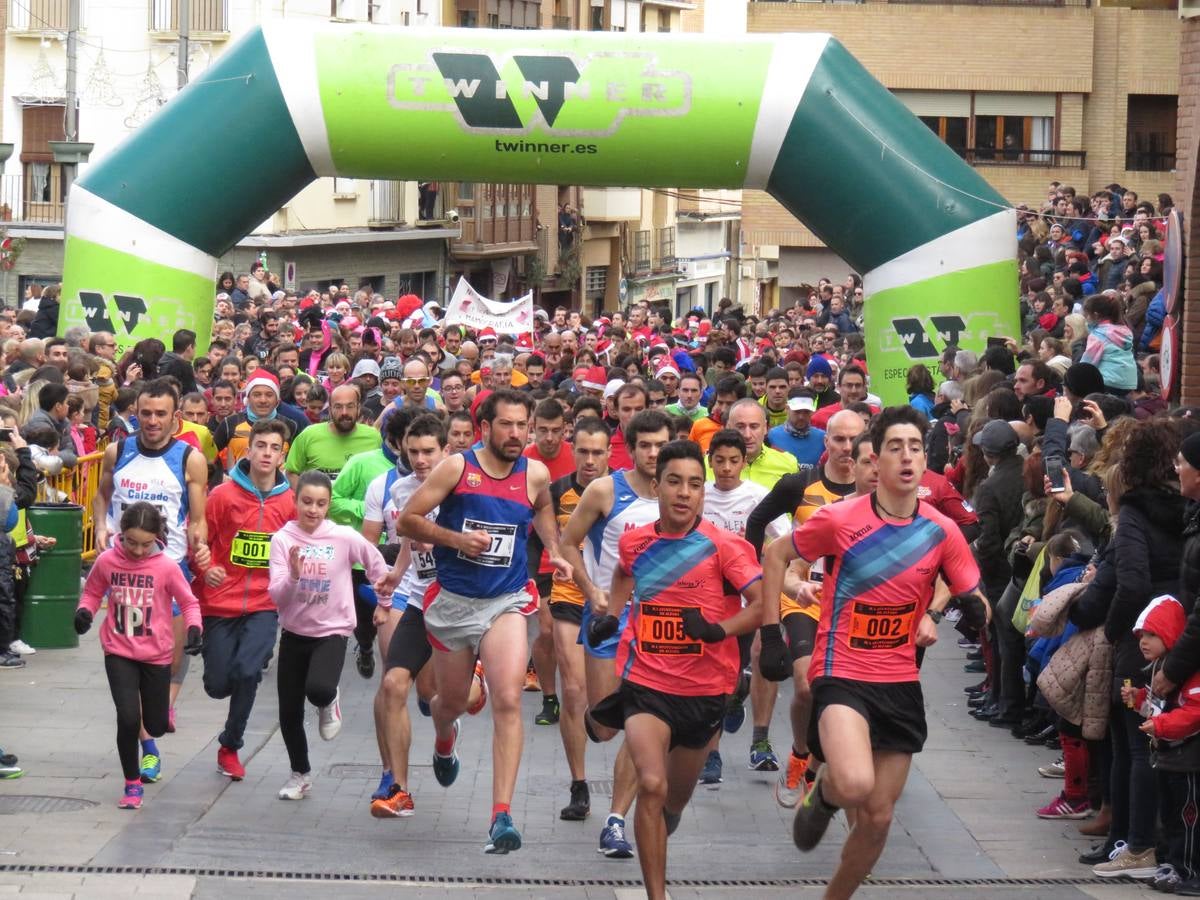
{"type": "Point", "coordinates": [12, 805]}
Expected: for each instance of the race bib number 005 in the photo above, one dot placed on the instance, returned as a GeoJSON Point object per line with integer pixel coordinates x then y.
{"type": "Point", "coordinates": [499, 553]}
{"type": "Point", "coordinates": [660, 631]}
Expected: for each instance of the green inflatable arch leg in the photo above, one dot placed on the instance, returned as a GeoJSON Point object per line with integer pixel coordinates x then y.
{"type": "Point", "coordinates": [795, 115]}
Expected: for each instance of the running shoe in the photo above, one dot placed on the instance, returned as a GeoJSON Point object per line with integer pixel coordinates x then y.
{"type": "Point", "coordinates": [445, 768]}
{"type": "Point", "coordinates": [151, 768]}
{"type": "Point", "coordinates": [364, 660]}
{"type": "Point", "coordinates": [8, 759]}
{"type": "Point", "coordinates": [1056, 769]}
{"type": "Point", "coordinates": [331, 718]}
{"type": "Point", "coordinates": [1062, 808]}
{"type": "Point", "coordinates": [398, 804]}
{"type": "Point", "coordinates": [580, 806]}
{"type": "Point", "coordinates": [21, 648]}
{"type": "Point", "coordinates": [297, 787]}
{"type": "Point", "coordinates": [813, 816]}
{"type": "Point", "coordinates": [1166, 879]}
{"type": "Point", "coordinates": [763, 758]}
{"type": "Point", "coordinates": [1124, 863]}
{"type": "Point", "coordinates": [386, 780]}
{"type": "Point", "coordinates": [711, 773]}
{"type": "Point", "coordinates": [735, 714]}
{"type": "Point", "coordinates": [228, 764]}
{"type": "Point", "coordinates": [9, 772]}
{"type": "Point", "coordinates": [171, 720]}
{"type": "Point", "coordinates": [475, 708]}
{"type": "Point", "coordinates": [531, 680]}
{"type": "Point", "coordinates": [503, 836]}
{"type": "Point", "coordinates": [953, 614]}
{"type": "Point", "coordinates": [132, 798]}
{"type": "Point", "coordinates": [968, 644]}
{"type": "Point", "coordinates": [10, 660]}
{"type": "Point", "coordinates": [549, 713]}
{"type": "Point", "coordinates": [612, 840]}
{"type": "Point", "coordinates": [423, 706]}
{"type": "Point", "coordinates": [789, 788]}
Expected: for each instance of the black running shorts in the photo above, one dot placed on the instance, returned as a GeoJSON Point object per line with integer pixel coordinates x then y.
{"type": "Point", "coordinates": [409, 647]}
{"type": "Point", "coordinates": [566, 612]}
{"type": "Point", "coordinates": [693, 720]}
{"type": "Point", "coordinates": [895, 712]}
{"type": "Point", "coordinates": [801, 631]}
{"type": "Point", "coordinates": [544, 581]}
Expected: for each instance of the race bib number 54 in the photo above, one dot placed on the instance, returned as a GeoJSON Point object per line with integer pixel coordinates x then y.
{"type": "Point", "coordinates": [499, 553]}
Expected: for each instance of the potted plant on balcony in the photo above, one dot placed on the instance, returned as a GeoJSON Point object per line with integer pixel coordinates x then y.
{"type": "Point", "coordinates": [10, 250]}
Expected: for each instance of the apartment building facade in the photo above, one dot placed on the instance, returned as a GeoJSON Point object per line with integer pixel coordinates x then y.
{"type": "Point", "coordinates": [1027, 92]}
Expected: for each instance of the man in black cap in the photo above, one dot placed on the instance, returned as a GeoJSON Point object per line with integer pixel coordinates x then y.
{"type": "Point", "coordinates": [1082, 379]}
{"type": "Point", "coordinates": [997, 502]}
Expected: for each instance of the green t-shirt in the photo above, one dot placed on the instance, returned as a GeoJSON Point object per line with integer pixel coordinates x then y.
{"type": "Point", "coordinates": [319, 447]}
{"type": "Point", "coordinates": [674, 409]}
{"type": "Point", "coordinates": [350, 489]}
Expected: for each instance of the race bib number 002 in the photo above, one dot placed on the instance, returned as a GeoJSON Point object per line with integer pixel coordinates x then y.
{"type": "Point", "coordinates": [660, 631]}
{"type": "Point", "coordinates": [251, 549]}
{"type": "Point", "coordinates": [881, 626]}
{"type": "Point", "coordinates": [499, 553]}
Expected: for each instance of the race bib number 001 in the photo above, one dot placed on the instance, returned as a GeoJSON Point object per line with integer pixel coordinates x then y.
{"type": "Point", "coordinates": [660, 631]}
{"type": "Point", "coordinates": [881, 626]}
{"type": "Point", "coordinates": [250, 549]}
{"type": "Point", "coordinates": [499, 553]}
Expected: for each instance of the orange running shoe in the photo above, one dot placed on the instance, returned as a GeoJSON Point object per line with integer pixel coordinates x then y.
{"type": "Point", "coordinates": [397, 804]}
{"type": "Point", "coordinates": [531, 680]}
{"type": "Point", "coordinates": [790, 786]}
{"type": "Point", "coordinates": [477, 707]}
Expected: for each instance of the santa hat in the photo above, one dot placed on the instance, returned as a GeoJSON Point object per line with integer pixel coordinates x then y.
{"type": "Point", "coordinates": [261, 378]}
{"type": "Point", "coordinates": [595, 379]}
{"type": "Point", "coordinates": [488, 333]}
{"type": "Point", "coordinates": [666, 364]}
{"type": "Point", "coordinates": [525, 341]}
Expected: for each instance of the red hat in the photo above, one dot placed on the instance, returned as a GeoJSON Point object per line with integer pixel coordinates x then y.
{"type": "Point", "coordinates": [705, 328]}
{"type": "Point", "coordinates": [488, 332]}
{"type": "Point", "coordinates": [525, 341]}
{"type": "Point", "coordinates": [595, 379]}
{"type": "Point", "coordinates": [260, 378]}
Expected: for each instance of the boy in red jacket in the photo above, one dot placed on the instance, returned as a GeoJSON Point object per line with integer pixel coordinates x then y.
{"type": "Point", "coordinates": [1173, 724]}
{"type": "Point", "coordinates": [240, 620]}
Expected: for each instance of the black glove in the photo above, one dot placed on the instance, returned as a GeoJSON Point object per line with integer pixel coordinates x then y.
{"type": "Point", "coordinates": [195, 642]}
{"type": "Point", "coordinates": [774, 659]}
{"type": "Point", "coordinates": [696, 626]}
{"type": "Point", "coordinates": [83, 621]}
{"type": "Point", "coordinates": [601, 628]}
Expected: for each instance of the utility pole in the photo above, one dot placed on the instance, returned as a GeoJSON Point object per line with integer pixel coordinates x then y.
{"type": "Point", "coordinates": [71, 122]}
{"type": "Point", "coordinates": [185, 22]}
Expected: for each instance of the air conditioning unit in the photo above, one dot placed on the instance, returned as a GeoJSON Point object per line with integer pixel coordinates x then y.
{"type": "Point", "coordinates": [761, 270]}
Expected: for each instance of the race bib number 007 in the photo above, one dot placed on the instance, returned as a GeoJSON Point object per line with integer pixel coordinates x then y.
{"type": "Point", "coordinates": [499, 553]}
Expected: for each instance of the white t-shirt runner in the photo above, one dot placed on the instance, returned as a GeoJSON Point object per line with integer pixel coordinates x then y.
{"type": "Point", "coordinates": [731, 509]}
{"type": "Point", "coordinates": [386, 496]}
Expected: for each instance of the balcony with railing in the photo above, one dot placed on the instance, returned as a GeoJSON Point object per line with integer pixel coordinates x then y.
{"type": "Point", "coordinates": [205, 17]}
{"type": "Point", "coordinates": [1149, 161]}
{"type": "Point", "coordinates": [36, 17]}
{"type": "Point", "coordinates": [641, 251]}
{"type": "Point", "coordinates": [29, 200]}
{"type": "Point", "coordinates": [990, 156]}
{"type": "Point", "coordinates": [496, 219]}
{"type": "Point", "coordinates": [666, 247]}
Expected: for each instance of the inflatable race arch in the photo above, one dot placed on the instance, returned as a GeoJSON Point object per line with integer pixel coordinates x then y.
{"type": "Point", "coordinates": [793, 114]}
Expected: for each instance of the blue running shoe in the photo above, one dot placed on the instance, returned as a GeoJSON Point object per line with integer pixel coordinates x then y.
{"type": "Point", "coordinates": [423, 706]}
{"type": "Point", "coordinates": [151, 768]}
{"type": "Point", "coordinates": [711, 773]}
{"type": "Point", "coordinates": [612, 840]}
{"type": "Point", "coordinates": [735, 715]}
{"type": "Point", "coordinates": [386, 780]}
{"type": "Point", "coordinates": [503, 836]}
{"type": "Point", "coordinates": [445, 768]}
{"type": "Point", "coordinates": [763, 758]}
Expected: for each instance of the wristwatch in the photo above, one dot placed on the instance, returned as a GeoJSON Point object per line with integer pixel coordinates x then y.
{"type": "Point", "coordinates": [935, 615]}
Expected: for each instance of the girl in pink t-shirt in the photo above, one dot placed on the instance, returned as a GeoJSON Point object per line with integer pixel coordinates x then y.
{"type": "Point", "coordinates": [140, 582]}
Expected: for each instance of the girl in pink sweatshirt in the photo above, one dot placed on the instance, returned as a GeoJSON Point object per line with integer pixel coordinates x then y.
{"type": "Point", "coordinates": [310, 565]}
{"type": "Point", "coordinates": [140, 581]}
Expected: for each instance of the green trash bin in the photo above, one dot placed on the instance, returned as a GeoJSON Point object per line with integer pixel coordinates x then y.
{"type": "Point", "coordinates": [53, 593]}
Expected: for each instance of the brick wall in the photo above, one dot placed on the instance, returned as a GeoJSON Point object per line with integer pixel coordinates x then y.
{"type": "Point", "coordinates": [1187, 199]}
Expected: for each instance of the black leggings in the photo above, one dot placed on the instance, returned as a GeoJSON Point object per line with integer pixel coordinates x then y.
{"type": "Point", "coordinates": [142, 694]}
{"type": "Point", "coordinates": [309, 667]}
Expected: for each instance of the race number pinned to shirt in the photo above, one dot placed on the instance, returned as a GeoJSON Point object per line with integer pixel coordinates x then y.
{"type": "Point", "coordinates": [499, 553]}
{"type": "Point", "coordinates": [251, 549]}
{"type": "Point", "coordinates": [881, 626]}
{"type": "Point", "coordinates": [423, 561]}
{"type": "Point", "coordinates": [660, 631]}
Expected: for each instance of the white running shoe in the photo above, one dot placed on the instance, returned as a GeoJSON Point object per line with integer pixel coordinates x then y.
{"type": "Point", "coordinates": [297, 787]}
{"type": "Point", "coordinates": [331, 718]}
{"type": "Point", "coordinates": [21, 648]}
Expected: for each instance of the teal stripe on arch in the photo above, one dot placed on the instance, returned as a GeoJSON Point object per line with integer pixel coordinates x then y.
{"type": "Point", "coordinates": [866, 204]}
{"type": "Point", "coordinates": [215, 163]}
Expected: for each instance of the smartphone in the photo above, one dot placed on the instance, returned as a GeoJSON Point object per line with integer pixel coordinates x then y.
{"type": "Point", "coordinates": [5, 434]}
{"type": "Point", "coordinates": [1057, 475]}
{"type": "Point", "coordinates": [996, 342]}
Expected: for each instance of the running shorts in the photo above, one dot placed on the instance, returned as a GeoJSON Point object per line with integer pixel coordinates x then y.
{"type": "Point", "coordinates": [454, 622]}
{"type": "Point", "coordinates": [409, 647]}
{"type": "Point", "coordinates": [895, 712]}
{"type": "Point", "coordinates": [608, 649]}
{"type": "Point", "coordinates": [801, 631]}
{"type": "Point", "coordinates": [562, 611]}
{"type": "Point", "coordinates": [693, 720]}
{"type": "Point", "coordinates": [544, 581]}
